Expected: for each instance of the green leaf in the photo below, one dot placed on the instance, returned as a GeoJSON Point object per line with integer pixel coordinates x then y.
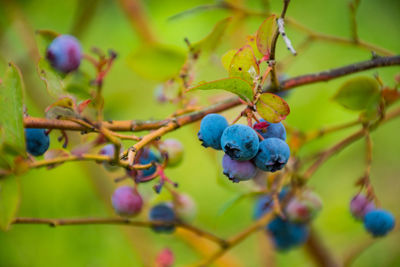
{"type": "Point", "coordinates": [11, 111]}
{"type": "Point", "coordinates": [234, 85]}
{"type": "Point", "coordinates": [53, 80]}
{"type": "Point", "coordinates": [9, 200]}
{"type": "Point", "coordinates": [244, 64]}
{"type": "Point", "coordinates": [211, 41]}
{"type": "Point", "coordinates": [272, 108]}
{"type": "Point", "coordinates": [359, 93]}
{"type": "Point", "coordinates": [44, 38]}
{"type": "Point", "coordinates": [157, 62]}
{"type": "Point", "coordinates": [234, 201]}
{"type": "Point", "coordinates": [265, 35]}
{"type": "Point", "coordinates": [227, 58]}
{"type": "Point", "coordinates": [77, 83]}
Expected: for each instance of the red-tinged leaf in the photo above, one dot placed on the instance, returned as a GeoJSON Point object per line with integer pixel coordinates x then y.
{"type": "Point", "coordinates": [212, 40]}
{"type": "Point", "coordinates": [252, 41]}
{"type": "Point", "coordinates": [55, 153]}
{"type": "Point", "coordinates": [390, 95]}
{"type": "Point", "coordinates": [234, 85]}
{"type": "Point", "coordinates": [82, 105]}
{"type": "Point", "coordinates": [9, 200]}
{"type": "Point", "coordinates": [20, 165]}
{"type": "Point", "coordinates": [244, 64]}
{"type": "Point", "coordinates": [272, 108]}
{"type": "Point", "coordinates": [265, 35]}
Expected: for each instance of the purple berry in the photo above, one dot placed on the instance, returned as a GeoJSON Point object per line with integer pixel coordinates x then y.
{"type": "Point", "coordinates": [238, 171]}
{"type": "Point", "coordinates": [240, 142]}
{"type": "Point", "coordinates": [174, 149]}
{"type": "Point", "coordinates": [64, 53]}
{"type": "Point", "coordinates": [361, 205]}
{"type": "Point", "coordinates": [379, 222]}
{"type": "Point", "coordinates": [126, 201]}
{"type": "Point", "coordinates": [37, 141]}
{"type": "Point", "coordinates": [273, 155]}
{"type": "Point", "coordinates": [211, 128]}
{"type": "Point", "coordinates": [108, 150]}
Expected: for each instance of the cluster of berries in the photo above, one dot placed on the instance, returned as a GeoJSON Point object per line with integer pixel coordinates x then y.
{"type": "Point", "coordinates": [246, 148]}
{"type": "Point", "coordinates": [377, 222]}
{"type": "Point", "coordinates": [292, 229]}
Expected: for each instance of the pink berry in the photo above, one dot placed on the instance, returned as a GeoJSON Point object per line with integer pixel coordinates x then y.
{"type": "Point", "coordinates": [165, 258]}
{"type": "Point", "coordinates": [174, 149]}
{"type": "Point", "coordinates": [126, 201]}
{"type": "Point", "coordinates": [304, 207]}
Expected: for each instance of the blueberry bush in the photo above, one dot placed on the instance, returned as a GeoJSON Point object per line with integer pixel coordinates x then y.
{"type": "Point", "coordinates": [233, 86]}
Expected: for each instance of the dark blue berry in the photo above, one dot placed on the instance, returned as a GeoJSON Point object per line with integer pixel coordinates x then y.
{"type": "Point", "coordinates": [240, 142]}
{"type": "Point", "coordinates": [287, 235]}
{"type": "Point", "coordinates": [268, 129]}
{"type": "Point", "coordinates": [64, 53]}
{"type": "Point", "coordinates": [238, 171]}
{"type": "Point", "coordinates": [146, 157]}
{"type": "Point", "coordinates": [264, 203]}
{"type": "Point", "coordinates": [273, 155]}
{"type": "Point", "coordinates": [211, 128]}
{"type": "Point", "coordinates": [163, 213]}
{"type": "Point", "coordinates": [37, 141]}
{"type": "Point", "coordinates": [379, 222]}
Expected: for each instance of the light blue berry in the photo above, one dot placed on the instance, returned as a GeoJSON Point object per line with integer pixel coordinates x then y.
{"type": "Point", "coordinates": [240, 142]}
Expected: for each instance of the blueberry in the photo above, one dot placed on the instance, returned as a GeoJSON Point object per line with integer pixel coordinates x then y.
{"type": "Point", "coordinates": [64, 53]}
{"type": "Point", "coordinates": [379, 222]}
{"type": "Point", "coordinates": [303, 207]}
{"type": "Point", "coordinates": [264, 203]}
{"type": "Point", "coordinates": [361, 205]}
{"type": "Point", "coordinates": [148, 156]}
{"type": "Point", "coordinates": [163, 213]}
{"type": "Point", "coordinates": [37, 141]}
{"type": "Point", "coordinates": [240, 142]}
{"type": "Point", "coordinates": [273, 155]}
{"type": "Point", "coordinates": [238, 171]}
{"type": "Point", "coordinates": [108, 150]}
{"type": "Point", "coordinates": [211, 128]}
{"type": "Point", "coordinates": [126, 201]}
{"type": "Point", "coordinates": [287, 235]}
{"type": "Point", "coordinates": [174, 149]}
{"type": "Point", "coordinates": [268, 129]}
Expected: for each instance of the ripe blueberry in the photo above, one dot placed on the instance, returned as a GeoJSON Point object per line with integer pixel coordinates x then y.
{"type": "Point", "coordinates": [37, 141]}
{"type": "Point", "coordinates": [211, 128]}
{"type": "Point", "coordinates": [174, 149]}
{"type": "Point", "coordinates": [64, 53]}
{"type": "Point", "coordinates": [273, 155]}
{"type": "Point", "coordinates": [379, 222]}
{"type": "Point", "coordinates": [126, 201]}
{"type": "Point", "coordinates": [287, 235]}
{"type": "Point", "coordinates": [238, 171]}
{"type": "Point", "coordinates": [148, 156]}
{"type": "Point", "coordinates": [268, 129]}
{"type": "Point", "coordinates": [162, 213]}
{"type": "Point", "coordinates": [240, 142]}
{"type": "Point", "coordinates": [361, 205]}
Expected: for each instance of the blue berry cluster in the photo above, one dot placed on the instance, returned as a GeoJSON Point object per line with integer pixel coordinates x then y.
{"type": "Point", "coordinates": [377, 222]}
{"type": "Point", "coordinates": [245, 152]}
{"type": "Point", "coordinates": [292, 230]}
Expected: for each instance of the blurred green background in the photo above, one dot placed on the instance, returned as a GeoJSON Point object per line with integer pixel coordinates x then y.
{"type": "Point", "coordinates": [84, 189]}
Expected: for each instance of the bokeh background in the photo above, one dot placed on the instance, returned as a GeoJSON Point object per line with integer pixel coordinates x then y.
{"type": "Point", "coordinates": [84, 189]}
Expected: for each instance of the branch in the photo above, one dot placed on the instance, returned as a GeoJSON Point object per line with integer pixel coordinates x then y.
{"type": "Point", "coordinates": [123, 221]}
{"type": "Point", "coordinates": [336, 73]}
{"type": "Point", "coordinates": [319, 252]}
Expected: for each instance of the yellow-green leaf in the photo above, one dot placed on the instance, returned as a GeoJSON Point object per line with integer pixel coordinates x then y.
{"type": "Point", "coordinates": [234, 85]}
{"type": "Point", "coordinates": [157, 62]}
{"type": "Point", "coordinates": [9, 200]}
{"type": "Point", "coordinates": [359, 93]}
{"type": "Point", "coordinates": [11, 112]}
{"type": "Point", "coordinates": [227, 58]}
{"type": "Point", "coordinates": [44, 38]}
{"type": "Point", "coordinates": [265, 35]}
{"type": "Point", "coordinates": [272, 108]}
{"type": "Point", "coordinates": [53, 80]}
{"type": "Point", "coordinates": [244, 64]}
{"type": "Point", "coordinates": [211, 41]}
